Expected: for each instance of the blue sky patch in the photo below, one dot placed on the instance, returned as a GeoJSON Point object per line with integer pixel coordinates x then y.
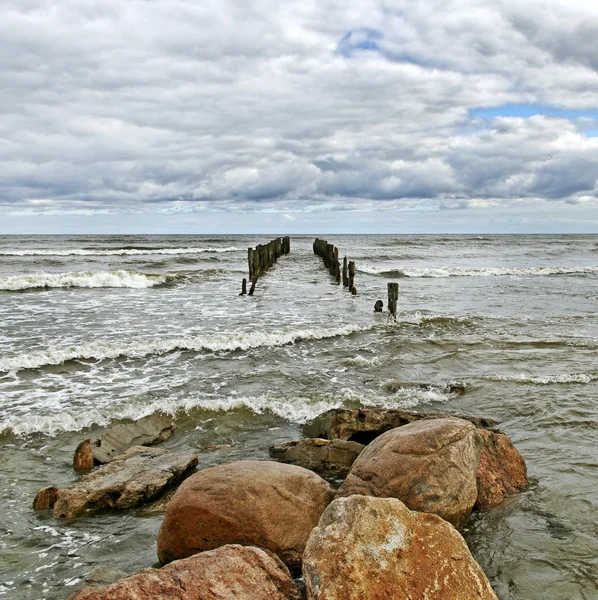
{"type": "Point", "coordinates": [529, 110]}
{"type": "Point", "coordinates": [363, 38]}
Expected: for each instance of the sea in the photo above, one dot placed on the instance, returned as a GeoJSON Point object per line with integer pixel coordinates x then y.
{"type": "Point", "coordinates": [99, 330]}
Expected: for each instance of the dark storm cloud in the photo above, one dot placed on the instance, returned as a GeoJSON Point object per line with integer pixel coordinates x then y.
{"type": "Point", "coordinates": [227, 105]}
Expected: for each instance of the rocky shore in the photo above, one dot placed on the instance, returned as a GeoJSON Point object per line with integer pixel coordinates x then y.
{"type": "Point", "coordinates": [368, 505]}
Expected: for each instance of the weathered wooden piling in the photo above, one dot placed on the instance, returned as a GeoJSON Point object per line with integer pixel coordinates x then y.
{"type": "Point", "coordinates": [393, 296]}
{"type": "Point", "coordinates": [329, 254]}
{"type": "Point", "coordinates": [352, 277]}
{"type": "Point", "coordinates": [263, 256]}
{"type": "Point", "coordinates": [243, 287]}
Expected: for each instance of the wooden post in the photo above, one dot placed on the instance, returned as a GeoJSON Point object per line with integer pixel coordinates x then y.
{"type": "Point", "coordinates": [253, 282]}
{"type": "Point", "coordinates": [345, 273]}
{"type": "Point", "coordinates": [393, 296]}
{"type": "Point", "coordinates": [243, 287]}
{"type": "Point", "coordinates": [352, 277]}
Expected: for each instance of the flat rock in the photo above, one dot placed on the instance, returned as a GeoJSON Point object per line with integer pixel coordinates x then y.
{"type": "Point", "coordinates": [258, 503]}
{"type": "Point", "coordinates": [365, 424]}
{"type": "Point", "coordinates": [430, 465]}
{"type": "Point", "coordinates": [137, 476]}
{"type": "Point", "coordinates": [331, 459]}
{"type": "Point", "coordinates": [502, 471]}
{"type": "Point", "coordinates": [231, 572]}
{"type": "Point", "coordinates": [147, 431]}
{"type": "Point", "coordinates": [376, 549]}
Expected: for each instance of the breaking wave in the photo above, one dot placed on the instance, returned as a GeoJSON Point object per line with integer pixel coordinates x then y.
{"type": "Point", "coordinates": [296, 409]}
{"type": "Point", "coordinates": [581, 378]}
{"type": "Point", "coordinates": [128, 250]}
{"type": "Point", "coordinates": [86, 279]}
{"type": "Point", "coordinates": [475, 272]}
{"type": "Point", "coordinates": [225, 342]}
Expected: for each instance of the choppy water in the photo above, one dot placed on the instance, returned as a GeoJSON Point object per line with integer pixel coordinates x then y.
{"type": "Point", "coordinates": [95, 329]}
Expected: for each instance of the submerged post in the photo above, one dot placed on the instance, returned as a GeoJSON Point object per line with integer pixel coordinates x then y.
{"type": "Point", "coordinates": [393, 296]}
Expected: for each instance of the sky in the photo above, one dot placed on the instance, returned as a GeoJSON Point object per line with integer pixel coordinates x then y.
{"type": "Point", "coordinates": [360, 116]}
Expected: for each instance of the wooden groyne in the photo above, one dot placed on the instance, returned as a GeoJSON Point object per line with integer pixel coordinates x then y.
{"type": "Point", "coordinates": [329, 254]}
{"type": "Point", "coordinates": [262, 257]}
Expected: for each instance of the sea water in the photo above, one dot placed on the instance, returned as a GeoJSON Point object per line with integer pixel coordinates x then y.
{"type": "Point", "coordinates": [95, 330]}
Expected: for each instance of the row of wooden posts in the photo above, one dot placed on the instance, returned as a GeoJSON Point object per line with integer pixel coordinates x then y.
{"type": "Point", "coordinates": [329, 254]}
{"type": "Point", "coordinates": [262, 257]}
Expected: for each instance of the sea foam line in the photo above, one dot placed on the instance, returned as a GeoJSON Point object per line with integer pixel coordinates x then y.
{"type": "Point", "coordinates": [84, 279]}
{"type": "Point", "coordinates": [225, 342]}
{"type": "Point", "coordinates": [296, 409]}
{"type": "Point", "coordinates": [117, 251]}
{"type": "Point", "coordinates": [582, 378]}
{"type": "Point", "coordinates": [475, 272]}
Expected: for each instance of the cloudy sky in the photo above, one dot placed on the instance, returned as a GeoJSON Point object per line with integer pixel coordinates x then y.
{"type": "Point", "coordinates": [298, 116]}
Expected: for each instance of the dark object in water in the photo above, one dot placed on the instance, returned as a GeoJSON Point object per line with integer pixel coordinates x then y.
{"type": "Point", "coordinates": [378, 306]}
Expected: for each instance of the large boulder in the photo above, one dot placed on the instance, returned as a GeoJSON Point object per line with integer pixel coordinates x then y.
{"type": "Point", "coordinates": [377, 549]}
{"type": "Point", "coordinates": [331, 459]}
{"type": "Point", "coordinates": [147, 431]}
{"type": "Point", "coordinates": [257, 503]}
{"type": "Point", "coordinates": [139, 475]}
{"type": "Point", "coordinates": [501, 472]}
{"type": "Point", "coordinates": [365, 424]}
{"type": "Point", "coordinates": [228, 573]}
{"type": "Point", "coordinates": [430, 465]}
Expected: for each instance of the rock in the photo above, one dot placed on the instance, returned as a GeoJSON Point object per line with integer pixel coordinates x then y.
{"type": "Point", "coordinates": [502, 470]}
{"type": "Point", "coordinates": [365, 424]}
{"type": "Point", "coordinates": [83, 459]}
{"type": "Point", "coordinates": [98, 579]}
{"type": "Point", "coordinates": [143, 432]}
{"type": "Point", "coordinates": [378, 306]}
{"type": "Point", "coordinates": [45, 498]}
{"type": "Point", "coordinates": [452, 387]}
{"type": "Point", "coordinates": [376, 548]}
{"type": "Point", "coordinates": [139, 475]}
{"type": "Point", "coordinates": [257, 503]}
{"type": "Point", "coordinates": [229, 573]}
{"type": "Point", "coordinates": [329, 458]}
{"type": "Point", "coordinates": [429, 465]}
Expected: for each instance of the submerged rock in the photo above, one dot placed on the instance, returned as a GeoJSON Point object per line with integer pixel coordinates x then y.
{"type": "Point", "coordinates": [501, 472]}
{"type": "Point", "coordinates": [376, 548]}
{"type": "Point", "coordinates": [116, 440]}
{"type": "Point", "coordinates": [228, 573]}
{"type": "Point", "coordinates": [329, 458]}
{"type": "Point", "coordinates": [137, 476]}
{"type": "Point", "coordinates": [429, 465]}
{"type": "Point", "coordinates": [365, 424]}
{"type": "Point", "coordinates": [260, 503]}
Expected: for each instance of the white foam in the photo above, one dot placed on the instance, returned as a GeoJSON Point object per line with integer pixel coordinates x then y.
{"type": "Point", "coordinates": [83, 279]}
{"type": "Point", "coordinates": [582, 378]}
{"type": "Point", "coordinates": [477, 272]}
{"type": "Point", "coordinates": [117, 251]}
{"type": "Point", "coordinates": [296, 409]}
{"type": "Point", "coordinates": [223, 342]}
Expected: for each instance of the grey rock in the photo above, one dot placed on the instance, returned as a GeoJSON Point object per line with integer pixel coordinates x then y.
{"type": "Point", "coordinates": [331, 459]}
{"type": "Point", "coordinates": [139, 475]}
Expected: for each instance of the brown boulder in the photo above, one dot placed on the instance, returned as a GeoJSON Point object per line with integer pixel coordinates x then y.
{"type": "Point", "coordinates": [139, 475]}
{"type": "Point", "coordinates": [329, 458]}
{"type": "Point", "coordinates": [257, 503]}
{"type": "Point", "coordinates": [501, 472]}
{"type": "Point", "coordinates": [365, 424]}
{"type": "Point", "coordinates": [228, 573]}
{"type": "Point", "coordinates": [45, 498]}
{"type": "Point", "coordinates": [377, 549]}
{"type": "Point", "coordinates": [429, 465]}
{"type": "Point", "coordinates": [83, 459]}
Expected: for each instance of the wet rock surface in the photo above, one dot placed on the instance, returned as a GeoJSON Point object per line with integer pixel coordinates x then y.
{"type": "Point", "coordinates": [231, 572]}
{"type": "Point", "coordinates": [366, 424]}
{"type": "Point", "coordinates": [261, 503]}
{"type": "Point", "coordinates": [137, 476]}
{"type": "Point", "coordinates": [377, 549]}
{"type": "Point", "coordinates": [430, 465]}
{"type": "Point", "coordinates": [331, 459]}
{"type": "Point", "coordinates": [501, 472]}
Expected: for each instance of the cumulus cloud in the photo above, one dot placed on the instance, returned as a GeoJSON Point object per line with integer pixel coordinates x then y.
{"type": "Point", "coordinates": [177, 105]}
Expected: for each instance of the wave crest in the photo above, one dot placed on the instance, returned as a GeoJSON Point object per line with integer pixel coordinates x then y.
{"type": "Point", "coordinates": [476, 272]}
{"type": "Point", "coordinates": [85, 279]}
{"type": "Point", "coordinates": [128, 250]}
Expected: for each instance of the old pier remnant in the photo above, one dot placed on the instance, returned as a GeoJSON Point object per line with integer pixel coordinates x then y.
{"type": "Point", "coordinates": [393, 296]}
{"type": "Point", "coordinates": [329, 254]}
{"type": "Point", "coordinates": [262, 257]}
